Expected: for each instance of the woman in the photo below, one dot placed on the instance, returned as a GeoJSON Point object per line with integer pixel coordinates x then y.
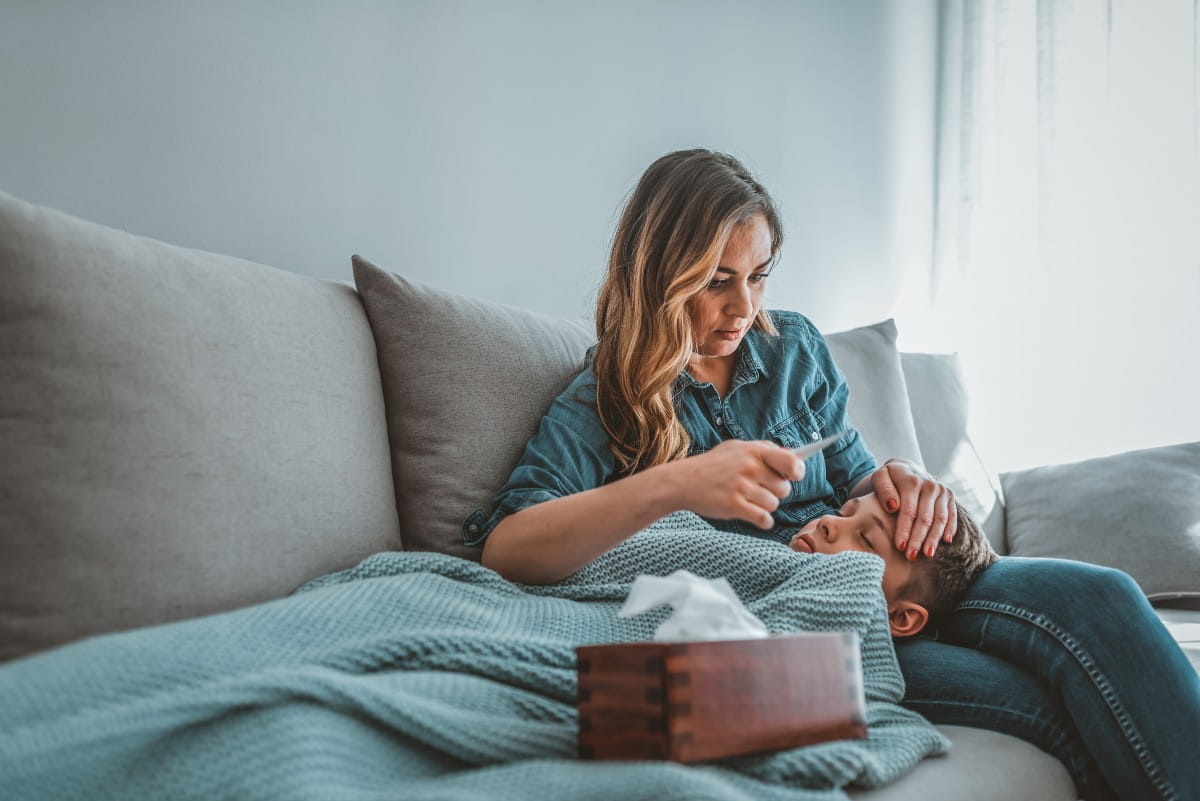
{"type": "Point", "coordinates": [692, 399]}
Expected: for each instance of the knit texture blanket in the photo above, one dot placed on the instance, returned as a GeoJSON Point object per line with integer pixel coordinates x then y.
{"type": "Point", "coordinates": [423, 676]}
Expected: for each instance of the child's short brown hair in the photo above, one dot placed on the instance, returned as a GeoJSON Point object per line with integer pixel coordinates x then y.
{"type": "Point", "coordinates": [939, 582]}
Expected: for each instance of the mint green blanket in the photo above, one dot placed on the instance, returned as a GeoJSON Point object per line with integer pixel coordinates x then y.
{"type": "Point", "coordinates": [423, 676]}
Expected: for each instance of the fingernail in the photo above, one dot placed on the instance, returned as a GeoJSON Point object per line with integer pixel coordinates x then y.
{"type": "Point", "coordinates": [892, 505]}
{"type": "Point", "coordinates": [912, 555]}
{"type": "Point", "coordinates": [902, 544]}
{"type": "Point", "coordinates": [929, 551]}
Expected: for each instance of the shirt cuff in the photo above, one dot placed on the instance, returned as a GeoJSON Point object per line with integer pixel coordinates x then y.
{"type": "Point", "coordinates": [477, 526]}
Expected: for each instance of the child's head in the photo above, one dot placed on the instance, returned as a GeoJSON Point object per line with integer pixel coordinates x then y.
{"type": "Point", "coordinates": [917, 592]}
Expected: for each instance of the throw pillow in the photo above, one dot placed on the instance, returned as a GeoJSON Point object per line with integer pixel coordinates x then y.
{"type": "Point", "coordinates": [1136, 511]}
{"type": "Point", "coordinates": [465, 383]}
{"type": "Point", "coordinates": [879, 406]}
{"type": "Point", "coordinates": [938, 396]}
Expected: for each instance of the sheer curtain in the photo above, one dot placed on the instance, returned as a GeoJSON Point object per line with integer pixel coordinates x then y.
{"type": "Point", "coordinates": [1067, 223]}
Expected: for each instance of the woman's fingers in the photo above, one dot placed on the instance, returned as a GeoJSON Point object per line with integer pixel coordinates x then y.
{"type": "Point", "coordinates": [894, 489]}
{"type": "Point", "coordinates": [783, 461]}
{"type": "Point", "coordinates": [887, 492]}
{"type": "Point", "coordinates": [951, 518]}
{"type": "Point", "coordinates": [945, 520]}
{"type": "Point", "coordinates": [923, 519]}
{"type": "Point", "coordinates": [760, 503]}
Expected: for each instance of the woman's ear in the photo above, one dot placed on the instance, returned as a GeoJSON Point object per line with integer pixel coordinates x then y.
{"type": "Point", "coordinates": [907, 618]}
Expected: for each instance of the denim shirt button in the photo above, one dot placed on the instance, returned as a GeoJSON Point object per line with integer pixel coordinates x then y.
{"type": "Point", "coordinates": [474, 529]}
{"type": "Point", "coordinates": [816, 435]}
{"type": "Point", "coordinates": [720, 420]}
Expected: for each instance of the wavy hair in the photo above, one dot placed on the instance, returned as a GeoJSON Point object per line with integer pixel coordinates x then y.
{"type": "Point", "coordinates": [665, 251]}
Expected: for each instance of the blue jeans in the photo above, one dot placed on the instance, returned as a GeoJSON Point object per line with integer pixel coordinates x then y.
{"type": "Point", "coordinates": [1072, 658]}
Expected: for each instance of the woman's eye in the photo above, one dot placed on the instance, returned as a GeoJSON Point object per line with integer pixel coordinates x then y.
{"type": "Point", "coordinates": [758, 278]}
{"type": "Point", "coordinates": [866, 540]}
{"type": "Point", "coordinates": [718, 283]}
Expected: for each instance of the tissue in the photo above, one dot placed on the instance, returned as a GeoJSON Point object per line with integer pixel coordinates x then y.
{"type": "Point", "coordinates": [703, 609]}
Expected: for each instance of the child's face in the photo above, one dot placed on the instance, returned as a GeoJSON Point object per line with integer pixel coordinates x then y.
{"type": "Point", "coordinates": [861, 525]}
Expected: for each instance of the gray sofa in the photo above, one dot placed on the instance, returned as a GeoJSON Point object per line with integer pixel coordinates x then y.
{"type": "Point", "coordinates": [185, 433]}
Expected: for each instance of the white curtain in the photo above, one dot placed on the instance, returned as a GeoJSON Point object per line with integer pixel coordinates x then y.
{"type": "Point", "coordinates": [1067, 223]}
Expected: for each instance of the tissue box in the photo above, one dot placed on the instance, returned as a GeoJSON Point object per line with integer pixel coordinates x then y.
{"type": "Point", "coordinates": [694, 701]}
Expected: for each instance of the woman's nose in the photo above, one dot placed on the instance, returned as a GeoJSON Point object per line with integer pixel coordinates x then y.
{"type": "Point", "coordinates": [742, 303]}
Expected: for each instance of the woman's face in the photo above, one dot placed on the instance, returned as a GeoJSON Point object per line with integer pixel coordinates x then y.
{"type": "Point", "coordinates": [723, 312]}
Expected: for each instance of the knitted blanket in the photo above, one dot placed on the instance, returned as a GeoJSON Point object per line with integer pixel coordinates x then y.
{"type": "Point", "coordinates": [422, 676]}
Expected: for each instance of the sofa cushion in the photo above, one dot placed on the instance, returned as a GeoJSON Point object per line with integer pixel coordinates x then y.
{"type": "Point", "coordinates": [938, 396]}
{"type": "Point", "coordinates": [467, 382]}
{"type": "Point", "coordinates": [182, 432]}
{"type": "Point", "coordinates": [1137, 511]}
{"type": "Point", "coordinates": [879, 406]}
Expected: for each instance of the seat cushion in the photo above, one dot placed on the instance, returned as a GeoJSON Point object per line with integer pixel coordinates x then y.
{"type": "Point", "coordinates": [183, 432]}
{"type": "Point", "coordinates": [982, 766]}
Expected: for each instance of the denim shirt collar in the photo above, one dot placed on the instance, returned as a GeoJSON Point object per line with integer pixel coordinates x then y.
{"type": "Point", "coordinates": [749, 367]}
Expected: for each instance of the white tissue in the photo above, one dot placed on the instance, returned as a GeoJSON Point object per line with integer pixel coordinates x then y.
{"type": "Point", "coordinates": [704, 609]}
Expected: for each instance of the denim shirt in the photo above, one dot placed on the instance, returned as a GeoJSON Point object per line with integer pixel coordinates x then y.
{"type": "Point", "coordinates": [785, 389]}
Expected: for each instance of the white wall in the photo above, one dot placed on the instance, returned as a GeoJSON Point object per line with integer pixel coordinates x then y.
{"type": "Point", "coordinates": [478, 145]}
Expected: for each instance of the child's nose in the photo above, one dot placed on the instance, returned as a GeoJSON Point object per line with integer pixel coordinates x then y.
{"type": "Point", "coordinates": [829, 529]}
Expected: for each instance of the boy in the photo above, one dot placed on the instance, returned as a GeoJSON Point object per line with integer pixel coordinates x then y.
{"type": "Point", "coordinates": [919, 592]}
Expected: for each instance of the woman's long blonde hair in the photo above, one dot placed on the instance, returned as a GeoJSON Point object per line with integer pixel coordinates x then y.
{"type": "Point", "coordinates": [666, 249]}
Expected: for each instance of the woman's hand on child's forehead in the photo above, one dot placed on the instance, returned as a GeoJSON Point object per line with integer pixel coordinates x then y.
{"type": "Point", "coordinates": [926, 508]}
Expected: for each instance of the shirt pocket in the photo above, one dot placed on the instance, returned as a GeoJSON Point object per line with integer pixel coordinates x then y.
{"type": "Point", "coordinates": [803, 427]}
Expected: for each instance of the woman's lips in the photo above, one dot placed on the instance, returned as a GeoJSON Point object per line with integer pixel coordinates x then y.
{"type": "Point", "coordinates": [730, 334]}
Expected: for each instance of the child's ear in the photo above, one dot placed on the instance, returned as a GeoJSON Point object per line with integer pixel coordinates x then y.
{"type": "Point", "coordinates": [907, 618]}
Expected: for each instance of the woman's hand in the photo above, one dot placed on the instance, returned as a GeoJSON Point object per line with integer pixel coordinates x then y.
{"type": "Point", "coordinates": [925, 509]}
{"type": "Point", "coordinates": [738, 479]}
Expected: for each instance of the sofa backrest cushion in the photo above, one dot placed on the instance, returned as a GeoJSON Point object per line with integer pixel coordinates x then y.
{"type": "Point", "coordinates": [182, 432]}
{"type": "Point", "coordinates": [1137, 511]}
{"type": "Point", "coordinates": [467, 382]}
{"type": "Point", "coordinates": [938, 396]}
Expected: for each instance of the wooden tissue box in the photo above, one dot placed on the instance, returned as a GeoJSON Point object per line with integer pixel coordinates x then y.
{"type": "Point", "coordinates": [694, 701]}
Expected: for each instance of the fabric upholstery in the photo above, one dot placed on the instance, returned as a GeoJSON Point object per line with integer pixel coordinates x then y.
{"type": "Point", "coordinates": [182, 432]}
{"type": "Point", "coordinates": [938, 397]}
{"type": "Point", "coordinates": [1137, 511]}
{"type": "Point", "coordinates": [981, 765]}
{"type": "Point", "coordinates": [466, 383]}
{"type": "Point", "coordinates": [879, 404]}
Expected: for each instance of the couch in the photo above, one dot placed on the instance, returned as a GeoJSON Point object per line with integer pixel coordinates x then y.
{"type": "Point", "coordinates": [186, 433]}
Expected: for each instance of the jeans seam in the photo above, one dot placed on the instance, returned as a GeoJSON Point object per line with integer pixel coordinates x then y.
{"type": "Point", "coordinates": [1107, 692]}
{"type": "Point", "coordinates": [1056, 738]}
{"type": "Point", "coordinates": [989, 707]}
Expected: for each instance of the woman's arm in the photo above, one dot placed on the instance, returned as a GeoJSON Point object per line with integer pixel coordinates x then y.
{"type": "Point", "coordinates": [550, 540]}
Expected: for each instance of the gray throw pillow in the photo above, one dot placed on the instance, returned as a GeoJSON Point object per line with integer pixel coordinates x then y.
{"type": "Point", "coordinates": [938, 396]}
{"type": "Point", "coordinates": [879, 406]}
{"type": "Point", "coordinates": [1137, 511]}
{"type": "Point", "coordinates": [182, 432]}
{"type": "Point", "coordinates": [467, 382]}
